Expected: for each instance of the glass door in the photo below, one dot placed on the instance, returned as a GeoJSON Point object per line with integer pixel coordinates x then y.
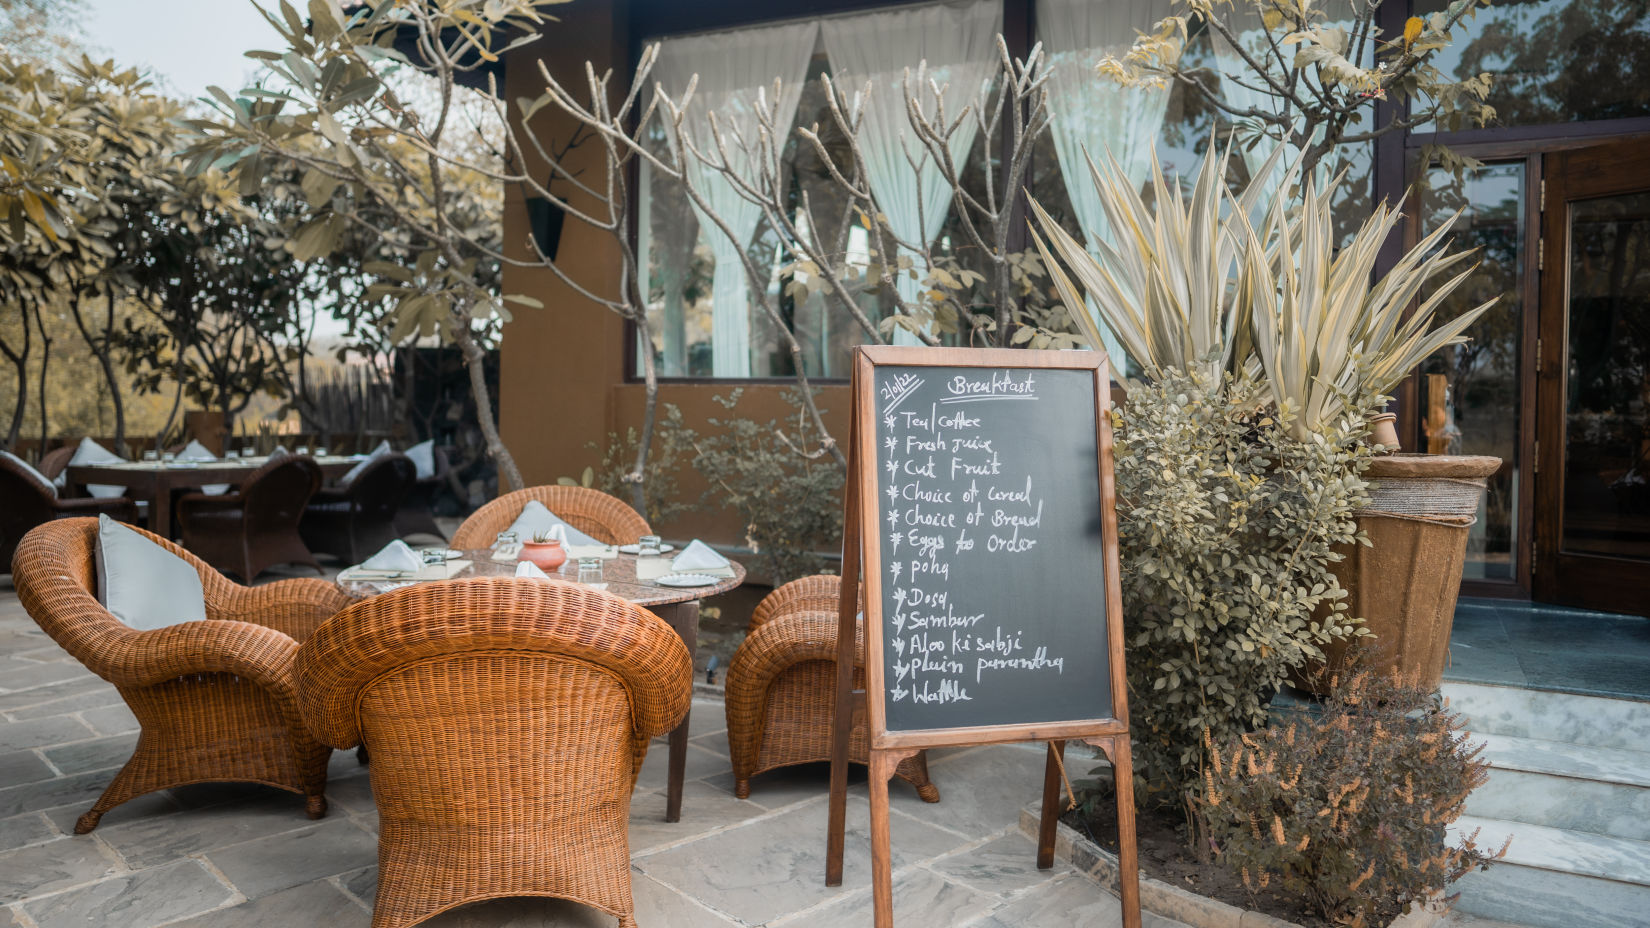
{"type": "Point", "coordinates": [1593, 416]}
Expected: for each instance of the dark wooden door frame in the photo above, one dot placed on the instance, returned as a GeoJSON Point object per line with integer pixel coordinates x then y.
{"type": "Point", "coordinates": [1613, 169]}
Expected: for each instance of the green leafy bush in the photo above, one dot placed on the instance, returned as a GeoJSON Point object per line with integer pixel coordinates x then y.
{"type": "Point", "coordinates": [1227, 526]}
{"type": "Point", "coordinates": [791, 503]}
{"type": "Point", "coordinates": [672, 448]}
{"type": "Point", "coordinates": [1348, 809]}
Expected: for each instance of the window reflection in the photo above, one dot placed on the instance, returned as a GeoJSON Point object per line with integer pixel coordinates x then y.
{"type": "Point", "coordinates": [1470, 393]}
{"type": "Point", "coordinates": [1556, 61]}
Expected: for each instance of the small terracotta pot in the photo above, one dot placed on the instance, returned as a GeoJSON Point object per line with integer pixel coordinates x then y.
{"type": "Point", "coordinates": [1383, 430]}
{"type": "Point", "coordinates": [548, 555]}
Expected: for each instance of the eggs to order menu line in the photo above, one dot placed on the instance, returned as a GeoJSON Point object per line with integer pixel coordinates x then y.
{"type": "Point", "coordinates": [989, 538]}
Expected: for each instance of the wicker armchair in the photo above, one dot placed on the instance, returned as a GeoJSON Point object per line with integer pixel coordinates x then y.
{"type": "Point", "coordinates": [507, 720]}
{"type": "Point", "coordinates": [53, 462]}
{"type": "Point", "coordinates": [24, 504]}
{"type": "Point", "coordinates": [604, 518]}
{"type": "Point", "coordinates": [247, 530]}
{"type": "Point", "coordinates": [415, 517]}
{"type": "Point", "coordinates": [353, 521]}
{"type": "Point", "coordinates": [215, 698]}
{"type": "Point", "coordinates": [817, 593]}
{"type": "Point", "coordinates": [781, 692]}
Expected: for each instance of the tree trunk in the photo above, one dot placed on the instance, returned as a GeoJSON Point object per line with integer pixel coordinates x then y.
{"type": "Point", "coordinates": [20, 360]}
{"type": "Point", "coordinates": [475, 360]}
{"type": "Point", "coordinates": [100, 348]}
{"type": "Point", "coordinates": [637, 478]}
{"type": "Point", "coordinates": [45, 364]}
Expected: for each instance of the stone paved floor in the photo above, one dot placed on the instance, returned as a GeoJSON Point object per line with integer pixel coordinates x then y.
{"type": "Point", "coordinates": [225, 855]}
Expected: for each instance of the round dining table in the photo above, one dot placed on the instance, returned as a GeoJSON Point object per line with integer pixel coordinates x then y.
{"type": "Point", "coordinates": [677, 606]}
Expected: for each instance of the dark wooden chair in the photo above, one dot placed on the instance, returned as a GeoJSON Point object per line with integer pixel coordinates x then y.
{"type": "Point", "coordinates": [246, 531]}
{"type": "Point", "coordinates": [353, 521]}
{"type": "Point", "coordinates": [24, 503]}
{"type": "Point", "coordinates": [416, 515]}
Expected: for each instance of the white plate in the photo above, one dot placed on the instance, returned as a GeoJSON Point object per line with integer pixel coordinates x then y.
{"type": "Point", "coordinates": [687, 580]}
{"type": "Point", "coordinates": [632, 549]}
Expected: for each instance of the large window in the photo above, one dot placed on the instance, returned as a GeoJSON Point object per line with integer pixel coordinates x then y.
{"type": "Point", "coordinates": [1556, 61]}
{"type": "Point", "coordinates": [707, 322]}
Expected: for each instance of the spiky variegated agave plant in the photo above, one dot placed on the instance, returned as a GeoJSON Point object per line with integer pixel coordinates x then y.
{"type": "Point", "coordinates": [1195, 283]}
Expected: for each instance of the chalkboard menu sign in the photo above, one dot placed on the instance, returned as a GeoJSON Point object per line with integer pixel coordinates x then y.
{"type": "Point", "coordinates": [993, 588]}
{"type": "Point", "coordinates": [981, 515]}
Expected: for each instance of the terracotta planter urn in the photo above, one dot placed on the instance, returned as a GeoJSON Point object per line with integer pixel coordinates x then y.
{"type": "Point", "coordinates": [1404, 584]}
{"type": "Point", "coordinates": [548, 555]}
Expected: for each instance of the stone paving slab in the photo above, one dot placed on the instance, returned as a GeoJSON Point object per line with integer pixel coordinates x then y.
{"type": "Point", "coordinates": [228, 855]}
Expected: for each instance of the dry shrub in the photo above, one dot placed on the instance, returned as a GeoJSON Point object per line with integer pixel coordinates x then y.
{"type": "Point", "coordinates": [1348, 807]}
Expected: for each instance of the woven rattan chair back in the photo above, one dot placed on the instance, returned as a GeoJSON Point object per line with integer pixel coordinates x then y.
{"type": "Point", "coordinates": [24, 503]}
{"type": "Point", "coordinates": [214, 698]}
{"type": "Point", "coordinates": [604, 518]}
{"type": "Point", "coordinates": [817, 593]}
{"type": "Point", "coordinates": [53, 462]}
{"type": "Point", "coordinates": [276, 493]}
{"type": "Point", "coordinates": [506, 720]}
{"type": "Point", "coordinates": [382, 485]}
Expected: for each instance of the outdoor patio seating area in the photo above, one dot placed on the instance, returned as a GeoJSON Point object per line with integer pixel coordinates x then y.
{"type": "Point", "coordinates": [242, 855]}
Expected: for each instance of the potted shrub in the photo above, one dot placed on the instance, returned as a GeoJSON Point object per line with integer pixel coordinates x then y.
{"type": "Point", "coordinates": [1324, 338]}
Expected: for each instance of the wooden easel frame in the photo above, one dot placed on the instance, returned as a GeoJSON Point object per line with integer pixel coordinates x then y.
{"type": "Point", "coordinates": [862, 559]}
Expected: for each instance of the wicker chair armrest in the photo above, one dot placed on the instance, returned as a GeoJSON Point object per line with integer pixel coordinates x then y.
{"type": "Point", "coordinates": [491, 614]}
{"type": "Point", "coordinates": [92, 505]}
{"type": "Point", "coordinates": [296, 607]}
{"type": "Point", "coordinates": [130, 657]}
{"type": "Point", "coordinates": [781, 643]}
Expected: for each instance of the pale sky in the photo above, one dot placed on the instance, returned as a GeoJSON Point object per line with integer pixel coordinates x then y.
{"type": "Point", "coordinates": [192, 44]}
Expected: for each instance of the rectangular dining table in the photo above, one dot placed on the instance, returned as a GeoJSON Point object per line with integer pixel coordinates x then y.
{"type": "Point", "coordinates": [155, 480]}
{"type": "Point", "coordinates": [677, 606]}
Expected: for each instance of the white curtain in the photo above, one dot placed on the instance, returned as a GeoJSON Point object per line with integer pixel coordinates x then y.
{"type": "Point", "coordinates": [1092, 114]}
{"type": "Point", "coordinates": [958, 42]}
{"type": "Point", "coordinates": [734, 69]}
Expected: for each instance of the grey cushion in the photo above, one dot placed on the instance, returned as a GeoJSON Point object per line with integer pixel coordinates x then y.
{"type": "Point", "coordinates": [423, 457]}
{"type": "Point", "coordinates": [33, 474]}
{"type": "Point", "coordinates": [90, 452]}
{"type": "Point", "coordinates": [373, 455]}
{"type": "Point", "coordinates": [143, 584]}
{"type": "Point", "coordinates": [537, 519]}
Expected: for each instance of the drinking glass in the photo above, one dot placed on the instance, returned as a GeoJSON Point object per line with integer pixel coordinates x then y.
{"type": "Point", "coordinates": [590, 570]}
{"type": "Point", "coordinates": [151, 455]}
{"type": "Point", "coordinates": [649, 546]}
{"type": "Point", "coordinates": [168, 459]}
{"type": "Point", "coordinates": [303, 449]}
{"type": "Point", "coordinates": [320, 452]}
{"type": "Point", "coordinates": [231, 454]}
{"type": "Point", "coordinates": [247, 451]}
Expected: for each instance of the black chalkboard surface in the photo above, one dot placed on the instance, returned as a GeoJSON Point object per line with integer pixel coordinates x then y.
{"type": "Point", "coordinates": [990, 540]}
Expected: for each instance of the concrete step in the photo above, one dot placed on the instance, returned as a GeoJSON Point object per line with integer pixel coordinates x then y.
{"type": "Point", "coordinates": [1557, 878]}
{"type": "Point", "coordinates": [1605, 791]}
{"type": "Point", "coordinates": [1522, 713]}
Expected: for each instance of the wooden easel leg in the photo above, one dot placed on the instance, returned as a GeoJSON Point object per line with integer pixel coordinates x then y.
{"type": "Point", "coordinates": [836, 826]}
{"type": "Point", "coordinates": [842, 719]}
{"type": "Point", "coordinates": [1128, 863]}
{"type": "Point", "coordinates": [1049, 825]}
{"type": "Point", "coordinates": [882, 767]}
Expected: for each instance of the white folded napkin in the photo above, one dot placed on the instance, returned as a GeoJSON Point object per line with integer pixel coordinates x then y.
{"type": "Point", "coordinates": [90, 452]}
{"type": "Point", "coordinates": [537, 519]}
{"type": "Point", "coordinates": [698, 556]}
{"type": "Point", "coordinates": [395, 556]}
{"type": "Point", "coordinates": [196, 453]}
{"type": "Point", "coordinates": [530, 570]}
